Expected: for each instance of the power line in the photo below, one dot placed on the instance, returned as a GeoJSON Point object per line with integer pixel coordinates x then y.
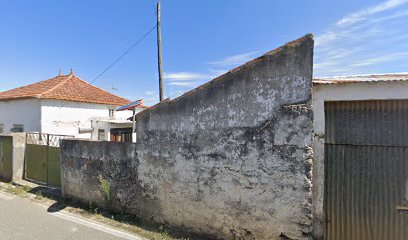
{"type": "Point", "coordinates": [126, 52]}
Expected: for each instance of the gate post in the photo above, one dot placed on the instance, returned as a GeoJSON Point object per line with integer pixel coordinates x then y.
{"type": "Point", "coordinates": [25, 162]}
{"type": "Point", "coordinates": [48, 153]}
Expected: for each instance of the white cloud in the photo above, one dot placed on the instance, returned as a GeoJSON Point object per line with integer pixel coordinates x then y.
{"type": "Point", "coordinates": [183, 84]}
{"type": "Point", "coordinates": [235, 60]}
{"type": "Point", "coordinates": [380, 59]}
{"type": "Point", "coordinates": [364, 13]}
{"type": "Point", "coordinates": [188, 80]}
{"type": "Point", "coordinates": [150, 92]}
{"type": "Point", "coordinates": [193, 79]}
{"type": "Point", "coordinates": [185, 76]}
{"type": "Point", "coordinates": [365, 41]}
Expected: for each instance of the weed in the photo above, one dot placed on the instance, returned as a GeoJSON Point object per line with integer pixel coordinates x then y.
{"type": "Point", "coordinates": [39, 195]}
{"type": "Point", "coordinates": [105, 188]}
{"type": "Point", "coordinates": [91, 205]}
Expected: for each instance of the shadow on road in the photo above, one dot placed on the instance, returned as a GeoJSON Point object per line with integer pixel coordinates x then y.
{"type": "Point", "coordinates": [56, 207]}
{"type": "Point", "coordinates": [43, 191]}
{"type": "Point", "coordinates": [50, 193]}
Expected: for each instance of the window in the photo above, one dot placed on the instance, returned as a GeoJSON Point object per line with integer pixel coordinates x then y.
{"type": "Point", "coordinates": [17, 128]}
{"type": "Point", "coordinates": [1, 128]}
{"type": "Point", "coordinates": [101, 134]}
{"type": "Point", "coordinates": [121, 135]}
{"type": "Point", "coordinates": [111, 113]}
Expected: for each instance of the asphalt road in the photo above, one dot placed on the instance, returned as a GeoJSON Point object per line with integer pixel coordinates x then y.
{"type": "Point", "coordinates": [21, 219]}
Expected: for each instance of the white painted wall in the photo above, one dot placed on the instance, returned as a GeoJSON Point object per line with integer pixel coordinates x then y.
{"type": "Point", "coordinates": [65, 117]}
{"type": "Point", "coordinates": [56, 116]}
{"type": "Point", "coordinates": [343, 92]}
{"type": "Point", "coordinates": [107, 126]}
{"type": "Point", "coordinates": [96, 125]}
{"type": "Point", "coordinates": [24, 111]}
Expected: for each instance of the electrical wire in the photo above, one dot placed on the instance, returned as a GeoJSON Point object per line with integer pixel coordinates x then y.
{"type": "Point", "coordinates": [126, 52]}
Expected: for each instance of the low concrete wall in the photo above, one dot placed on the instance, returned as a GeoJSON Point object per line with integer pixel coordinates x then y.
{"type": "Point", "coordinates": [84, 164]}
{"type": "Point", "coordinates": [230, 159]}
{"type": "Point", "coordinates": [12, 165]}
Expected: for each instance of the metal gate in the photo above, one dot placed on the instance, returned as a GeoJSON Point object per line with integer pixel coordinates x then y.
{"type": "Point", "coordinates": [42, 158]}
{"type": "Point", "coordinates": [6, 158]}
{"type": "Point", "coordinates": [366, 166]}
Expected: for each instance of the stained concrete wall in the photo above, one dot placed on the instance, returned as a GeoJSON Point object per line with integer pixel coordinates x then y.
{"type": "Point", "coordinates": [12, 149]}
{"type": "Point", "coordinates": [19, 144]}
{"type": "Point", "coordinates": [231, 158]}
{"type": "Point", "coordinates": [84, 162]}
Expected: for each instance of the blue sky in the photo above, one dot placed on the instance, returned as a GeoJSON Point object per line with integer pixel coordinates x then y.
{"type": "Point", "coordinates": [201, 39]}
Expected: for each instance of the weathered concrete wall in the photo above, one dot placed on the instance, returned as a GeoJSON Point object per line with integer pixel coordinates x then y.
{"type": "Point", "coordinates": [12, 148]}
{"type": "Point", "coordinates": [19, 144]}
{"type": "Point", "coordinates": [84, 162]}
{"type": "Point", "coordinates": [231, 158]}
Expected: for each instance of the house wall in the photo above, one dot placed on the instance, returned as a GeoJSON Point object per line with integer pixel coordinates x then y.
{"type": "Point", "coordinates": [103, 125]}
{"type": "Point", "coordinates": [107, 126]}
{"type": "Point", "coordinates": [341, 92]}
{"type": "Point", "coordinates": [24, 111]}
{"type": "Point", "coordinates": [230, 159]}
{"type": "Point", "coordinates": [65, 118]}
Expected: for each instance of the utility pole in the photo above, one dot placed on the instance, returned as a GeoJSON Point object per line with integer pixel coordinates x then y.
{"type": "Point", "coordinates": [159, 46]}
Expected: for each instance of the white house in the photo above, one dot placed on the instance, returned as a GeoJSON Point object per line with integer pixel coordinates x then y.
{"type": "Point", "coordinates": [64, 105]}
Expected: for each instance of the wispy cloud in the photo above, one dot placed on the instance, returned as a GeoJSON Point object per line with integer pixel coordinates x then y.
{"type": "Point", "coordinates": [381, 59]}
{"type": "Point", "coordinates": [364, 41]}
{"type": "Point", "coordinates": [185, 76]}
{"type": "Point", "coordinates": [186, 79]}
{"type": "Point", "coordinates": [235, 60]}
{"type": "Point", "coordinates": [367, 12]}
{"type": "Point", "coordinates": [183, 84]}
{"type": "Point", "coordinates": [149, 93]}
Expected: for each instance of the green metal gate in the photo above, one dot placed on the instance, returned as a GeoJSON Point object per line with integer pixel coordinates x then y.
{"type": "Point", "coordinates": [6, 158]}
{"type": "Point", "coordinates": [366, 166]}
{"type": "Point", "coordinates": [42, 158]}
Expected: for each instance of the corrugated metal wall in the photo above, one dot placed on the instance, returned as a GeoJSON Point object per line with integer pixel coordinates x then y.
{"type": "Point", "coordinates": [366, 161]}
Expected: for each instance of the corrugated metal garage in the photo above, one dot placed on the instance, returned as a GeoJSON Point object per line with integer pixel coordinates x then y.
{"type": "Point", "coordinates": [366, 170]}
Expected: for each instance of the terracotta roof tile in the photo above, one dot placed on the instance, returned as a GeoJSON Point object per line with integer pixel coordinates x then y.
{"type": "Point", "coordinates": [65, 87]}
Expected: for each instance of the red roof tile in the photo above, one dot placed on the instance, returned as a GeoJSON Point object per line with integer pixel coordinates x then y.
{"type": "Point", "coordinates": [64, 87]}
